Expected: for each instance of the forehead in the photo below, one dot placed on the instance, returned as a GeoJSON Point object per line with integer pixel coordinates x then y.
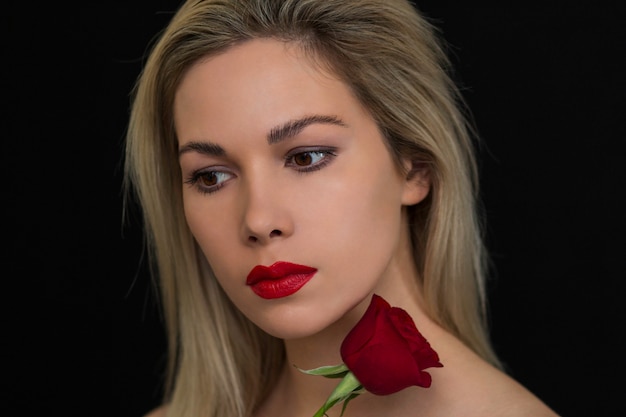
{"type": "Point", "coordinates": [257, 85]}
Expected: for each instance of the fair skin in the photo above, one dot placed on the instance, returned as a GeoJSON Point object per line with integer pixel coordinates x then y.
{"type": "Point", "coordinates": [327, 195]}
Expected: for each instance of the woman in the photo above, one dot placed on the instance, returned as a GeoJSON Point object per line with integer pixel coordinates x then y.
{"type": "Point", "coordinates": [293, 158]}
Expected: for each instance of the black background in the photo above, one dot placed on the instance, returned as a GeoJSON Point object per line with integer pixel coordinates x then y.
{"type": "Point", "coordinates": [546, 84]}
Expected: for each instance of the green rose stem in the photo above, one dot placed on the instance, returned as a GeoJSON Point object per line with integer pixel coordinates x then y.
{"type": "Point", "coordinates": [385, 350]}
{"type": "Point", "coordinates": [346, 390]}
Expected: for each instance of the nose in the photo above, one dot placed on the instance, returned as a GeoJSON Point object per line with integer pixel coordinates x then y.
{"type": "Point", "coordinates": [266, 214]}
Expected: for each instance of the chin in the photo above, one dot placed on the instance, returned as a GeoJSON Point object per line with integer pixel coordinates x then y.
{"type": "Point", "coordinates": [289, 334]}
{"type": "Point", "coordinates": [289, 324]}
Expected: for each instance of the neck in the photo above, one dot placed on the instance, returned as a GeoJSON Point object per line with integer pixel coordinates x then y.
{"type": "Point", "coordinates": [299, 394]}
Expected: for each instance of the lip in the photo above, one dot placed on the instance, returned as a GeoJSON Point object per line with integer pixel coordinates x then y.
{"type": "Point", "coordinates": [278, 280]}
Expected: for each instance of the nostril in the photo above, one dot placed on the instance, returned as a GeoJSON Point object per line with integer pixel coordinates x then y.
{"type": "Point", "coordinates": [254, 238]}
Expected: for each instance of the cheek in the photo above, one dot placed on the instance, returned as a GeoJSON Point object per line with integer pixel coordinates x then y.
{"type": "Point", "coordinates": [361, 223]}
{"type": "Point", "coordinates": [371, 227]}
{"type": "Point", "coordinates": [373, 199]}
{"type": "Point", "coordinates": [211, 227]}
{"type": "Point", "coordinates": [198, 221]}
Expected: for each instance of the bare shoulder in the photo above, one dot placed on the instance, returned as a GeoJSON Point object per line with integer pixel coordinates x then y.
{"type": "Point", "coordinates": [157, 412]}
{"type": "Point", "coordinates": [467, 385]}
{"type": "Point", "coordinates": [491, 392]}
{"type": "Point", "coordinates": [514, 400]}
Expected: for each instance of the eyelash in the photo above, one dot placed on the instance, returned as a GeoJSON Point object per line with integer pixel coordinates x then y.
{"type": "Point", "coordinates": [326, 155]}
{"type": "Point", "coordinates": [196, 176]}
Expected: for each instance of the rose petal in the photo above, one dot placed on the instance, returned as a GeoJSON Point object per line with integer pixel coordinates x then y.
{"type": "Point", "coordinates": [384, 372]}
{"type": "Point", "coordinates": [363, 331]}
{"type": "Point", "coordinates": [386, 352]}
{"type": "Point", "coordinates": [423, 354]}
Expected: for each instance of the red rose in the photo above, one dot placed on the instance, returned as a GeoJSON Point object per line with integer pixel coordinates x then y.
{"type": "Point", "coordinates": [386, 352]}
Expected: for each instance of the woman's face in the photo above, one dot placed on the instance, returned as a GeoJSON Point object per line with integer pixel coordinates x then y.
{"type": "Point", "coordinates": [281, 163]}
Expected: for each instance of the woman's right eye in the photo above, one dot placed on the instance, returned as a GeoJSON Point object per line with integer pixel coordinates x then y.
{"type": "Point", "coordinates": [208, 181]}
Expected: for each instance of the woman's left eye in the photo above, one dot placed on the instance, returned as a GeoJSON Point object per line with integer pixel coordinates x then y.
{"type": "Point", "coordinates": [310, 160]}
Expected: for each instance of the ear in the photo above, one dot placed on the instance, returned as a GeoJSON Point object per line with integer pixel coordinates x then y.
{"type": "Point", "coordinates": [417, 182]}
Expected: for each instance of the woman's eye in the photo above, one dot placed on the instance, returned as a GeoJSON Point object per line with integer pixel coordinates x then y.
{"type": "Point", "coordinates": [209, 181]}
{"type": "Point", "coordinates": [305, 161]}
{"type": "Point", "coordinates": [307, 158]}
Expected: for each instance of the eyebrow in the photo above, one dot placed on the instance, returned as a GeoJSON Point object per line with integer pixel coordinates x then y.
{"type": "Point", "coordinates": [205, 148]}
{"type": "Point", "coordinates": [276, 134]}
{"type": "Point", "coordinates": [294, 127]}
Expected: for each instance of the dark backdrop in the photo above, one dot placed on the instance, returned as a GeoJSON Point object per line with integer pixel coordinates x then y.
{"type": "Point", "coordinates": [545, 83]}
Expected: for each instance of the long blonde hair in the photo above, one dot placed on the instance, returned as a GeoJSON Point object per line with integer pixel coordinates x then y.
{"type": "Point", "coordinates": [220, 364]}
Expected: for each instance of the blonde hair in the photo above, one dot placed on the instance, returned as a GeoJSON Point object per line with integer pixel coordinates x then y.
{"type": "Point", "coordinates": [219, 362]}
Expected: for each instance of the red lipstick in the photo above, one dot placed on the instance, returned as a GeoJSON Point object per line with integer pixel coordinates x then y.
{"type": "Point", "coordinates": [279, 280]}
